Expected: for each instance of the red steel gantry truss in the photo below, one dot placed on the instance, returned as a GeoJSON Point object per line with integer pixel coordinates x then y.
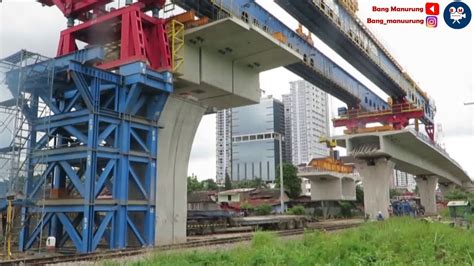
{"type": "Point", "coordinates": [128, 33]}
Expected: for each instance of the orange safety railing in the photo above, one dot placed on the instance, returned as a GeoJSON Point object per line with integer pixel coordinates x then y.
{"type": "Point", "coordinates": [329, 164]}
{"type": "Point", "coordinates": [394, 109]}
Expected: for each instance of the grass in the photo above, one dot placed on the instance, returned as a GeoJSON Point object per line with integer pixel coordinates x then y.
{"type": "Point", "coordinates": [401, 241]}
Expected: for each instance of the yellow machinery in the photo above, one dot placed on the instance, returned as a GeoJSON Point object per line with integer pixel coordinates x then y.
{"type": "Point", "coordinates": [9, 227]}
{"type": "Point", "coordinates": [301, 33]}
{"type": "Point", "coordinates": [331, 163]}
{"type": "Point", "coordinates": [7, 218]}
{"type": "Point", "coordinates": [350, 5]}
{"type": "Point", "coordinates": [175, 31]}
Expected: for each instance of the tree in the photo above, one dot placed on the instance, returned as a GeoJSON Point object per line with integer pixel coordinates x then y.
{"type": "Point", "coordinates": [359, 194]}
{"type": "Point", "coordinates": [209, 184]}
{"type": "Point", "coordinates": [253, 183]}
{"type": "Point", "coordinates": [394, 193]}
{"type": "Point", "coordinates": [291, 181]}
{"type": "Point", "coordinates": [259, 183]}
{"type": "Point", "coordinates": [264, 209]}
{"type": "Point", "coordinates": [194, 184]}
{"type": "Point", "coordinates": [456, 194]}
{"type": "Point", "coordinates": [228, 182]}
{"type": "Point", "coordinates": [297, 210]}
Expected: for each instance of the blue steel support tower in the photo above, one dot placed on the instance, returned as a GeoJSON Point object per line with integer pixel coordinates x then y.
{"type": "Point", "coordinates": [91, 162]}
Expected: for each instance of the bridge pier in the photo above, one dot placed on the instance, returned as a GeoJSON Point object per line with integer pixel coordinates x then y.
{"type": "Point", "coordinates": [468, 186]}
{"type": "Point", "coordinates": [178, 125]}
{"type": "Point", "coordinates": [222, 62]}
{"type": "Point", "coordinates": [376, 176]}
{"type": "Point", "coordinates": [445, 188]}
{"type": "Point", "coordinates": [427, 189]}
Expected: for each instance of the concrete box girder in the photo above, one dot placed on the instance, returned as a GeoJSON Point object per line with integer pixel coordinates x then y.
{"type": "Point", "coordinates": [323, 175]}
{"type": "Point", "coordinates": [243, 43]}
{"type": "Point", "coordinates": [327, 185]}
{"type": "Point", "coordinates": [222, 62]}
{"type": "Point", "coordinates": [411, 154]}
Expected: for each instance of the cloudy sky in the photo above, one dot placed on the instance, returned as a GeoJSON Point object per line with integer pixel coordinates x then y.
{"type": "Point", "coordinates": [439, 59]}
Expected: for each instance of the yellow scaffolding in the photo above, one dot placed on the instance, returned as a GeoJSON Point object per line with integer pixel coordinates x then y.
{"type": "Point", "coordinates": [175, 31]}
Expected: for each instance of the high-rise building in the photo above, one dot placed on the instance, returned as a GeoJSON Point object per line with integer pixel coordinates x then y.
{"type": "Point", "coordinates": [286, 99]}
{"type": "Point", "coordinates": [223, 144]}
{"type": "Point", "coordinates": [309, 119]}
{"type": "Point", "coordinates": [254, 150]}
{"type": "Point", "coordinates": [403, 180]}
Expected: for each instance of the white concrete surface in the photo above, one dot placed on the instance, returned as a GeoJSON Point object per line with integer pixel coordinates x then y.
{"type": "Point", "coordinates": [223, 59]}
{"type": "Point", "coordinates": [222, 62]}
{"type": "Point", "coordinates": [348, 188]}
{"type": "Point", "coordinates": [468, 186]}
{"type": "Point", "coordinates": [411, 152]}
{"type": "Point", "coordinates": [327, 185]}
{"type": "Point", "coordinates": [427, 189]}
{"type": "Point", "coordinates": [376, 176]}
{"type": "Point", "coordinates": [326, 189]}
{"type": "Point", "coordinates": [179, 122]}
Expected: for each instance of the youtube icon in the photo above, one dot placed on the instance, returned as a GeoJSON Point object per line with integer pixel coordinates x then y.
{"type": "Point", "coordinates": [432, 9]}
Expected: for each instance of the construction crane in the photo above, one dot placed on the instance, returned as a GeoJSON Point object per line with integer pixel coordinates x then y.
{"type": "Point", "coordinates": [333, 162]}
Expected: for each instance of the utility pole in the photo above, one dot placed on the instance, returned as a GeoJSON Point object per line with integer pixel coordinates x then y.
{"type": "Point", "coordinates": [282, 192]}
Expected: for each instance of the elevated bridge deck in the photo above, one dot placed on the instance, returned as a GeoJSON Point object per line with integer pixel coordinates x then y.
{"type": "Point", "coordinates": [314, 66]}
{"type": "Point", "coordinates": [349, 37]}
{"type": "Point", "coordinates": [411, 151]}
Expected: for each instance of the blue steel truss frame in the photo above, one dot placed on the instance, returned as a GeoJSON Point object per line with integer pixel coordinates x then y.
{"type": "Point", "coordinates": [91, 165]}
{"type": "Point", "coordinates": [316, 68]}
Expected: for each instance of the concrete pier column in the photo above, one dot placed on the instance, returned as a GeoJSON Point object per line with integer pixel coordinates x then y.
{"type": "Point", "coordinates": [376, 176]}
{"type": "Point", "coordinates": [427, 189]}
{"type": "Point", "coordinates": [179, 123]}
{"type": "Point", "coordinates": [445, 188]}
{"type": "Point", "coordinates": [468, 186]}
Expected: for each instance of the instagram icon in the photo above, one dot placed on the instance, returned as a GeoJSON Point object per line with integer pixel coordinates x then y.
{"type": "Point", "coordinates": [431, 21]}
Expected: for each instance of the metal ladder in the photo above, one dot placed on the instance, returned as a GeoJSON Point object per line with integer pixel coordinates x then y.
{"type": "Point", "coordinates": [21, 130]}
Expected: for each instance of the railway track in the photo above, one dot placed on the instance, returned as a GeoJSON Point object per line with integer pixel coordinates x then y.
{"type": "Point", "coordinates": [110, 254]}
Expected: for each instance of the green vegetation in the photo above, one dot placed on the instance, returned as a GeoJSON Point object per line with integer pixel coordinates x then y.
{"type": "Point", "coordinates": [228, 182]}
{"type": "Point", "coordinates": [457, 194]}
{"type": "Point", "coordinates": [263, 209]}
{"type": "Point", "coordinates": [291, 181]}
{"type": "Point", "coordinates": [246, 206]}
{"type": "Point", "coordinates": [252, 183]}
{"type": "Point", "coordinates": [194, 184]}
{"type": "Point", "coordinates": [394, 193]}
{"type": "Point", "coordinates": [205, 185]}
{"type": "Point", "coordinates": [209, 184]}
{"type": "Point", "coordinates": [359, 194]}
{"type": "Point", "coordinates": [297, 210]}
{"type": "Point", "coordinates": [401, 241]}
{"type": "Point", "coordinates": [346, 209]}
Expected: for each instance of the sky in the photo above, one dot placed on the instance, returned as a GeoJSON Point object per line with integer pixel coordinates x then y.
{"type": "Point", "coordinates": [438, 59]}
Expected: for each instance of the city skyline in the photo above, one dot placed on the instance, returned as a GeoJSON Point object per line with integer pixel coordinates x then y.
{"type": "Point", "coordinates": [254, 133]}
